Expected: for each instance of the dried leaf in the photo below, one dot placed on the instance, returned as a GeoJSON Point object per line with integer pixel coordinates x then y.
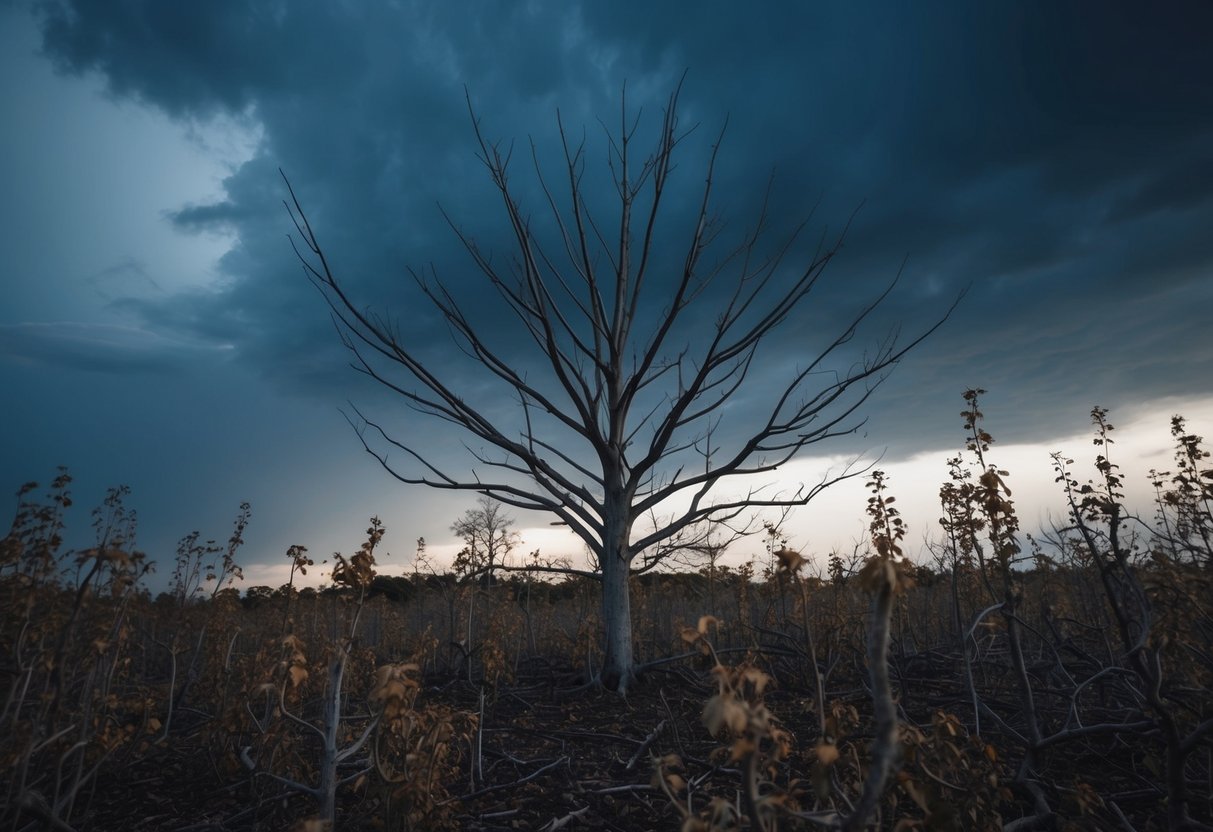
{"type": "Point", "coordinates": [827, 753]}
{"type": "Point", "coordinates": [755, 677]}
{"type": "Point", "coordinates": [790, 560]}
{"type": "Point", "coordinates": [724, 712]}
{"type": "Point", "coordinates": [741, 749]}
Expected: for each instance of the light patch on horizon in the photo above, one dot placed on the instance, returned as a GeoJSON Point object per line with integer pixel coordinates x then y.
{"type": "Point", "coordinates": [1141, 442]}
{"type": "Point", "coordinates": [835, 519]}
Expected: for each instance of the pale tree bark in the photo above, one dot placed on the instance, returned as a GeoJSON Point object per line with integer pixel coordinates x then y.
{"type": "Point", "coordinates": [618, 414]}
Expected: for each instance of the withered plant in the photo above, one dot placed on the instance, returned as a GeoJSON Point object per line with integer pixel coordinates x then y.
{"type": "Point", "coordinates": [72, 705]}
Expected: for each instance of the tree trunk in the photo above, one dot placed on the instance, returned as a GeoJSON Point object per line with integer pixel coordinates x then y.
{"type": "Point", "coordinates": [327, 790]}
{"type": "Point", "coordinates": [618, 665]}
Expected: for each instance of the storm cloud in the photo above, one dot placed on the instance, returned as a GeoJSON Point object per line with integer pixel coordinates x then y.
{"type": "Point", "coordinates": [1053, 159]}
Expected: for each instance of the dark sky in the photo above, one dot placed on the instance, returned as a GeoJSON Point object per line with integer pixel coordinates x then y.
{"type": "Point", "coordinates": [156, 329]}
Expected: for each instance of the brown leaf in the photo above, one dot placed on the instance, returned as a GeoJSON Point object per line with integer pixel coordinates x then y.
{"type": "Point", "coordinates": [826, 752]}
{"type": "Point", "coordinates": [755, 677]}
{"type": "Point", "coordinates": [741, 749]}
{"type": "Point", "coordinates": [789, 559]}
{"type": "Point", "coordinates": [724, 712]}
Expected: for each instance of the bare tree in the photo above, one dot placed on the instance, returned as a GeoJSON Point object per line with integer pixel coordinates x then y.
{"type": "Point", "coordinates": [488, 537]}
{"type": "Point", "coordinates": [621, 406]}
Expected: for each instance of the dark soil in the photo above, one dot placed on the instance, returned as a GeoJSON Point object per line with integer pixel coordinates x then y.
{"type": "Point", "coordinates": [552, 759]}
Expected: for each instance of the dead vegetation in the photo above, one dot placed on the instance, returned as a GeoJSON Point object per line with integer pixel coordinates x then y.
{"type": "Point", "coordinates": [1005, 681]}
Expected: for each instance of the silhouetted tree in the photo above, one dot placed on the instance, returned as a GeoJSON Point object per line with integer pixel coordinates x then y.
{"type": "Point", "coordinates": [620, 416]}
{"type": "Point", "coordinates": [488, 536]}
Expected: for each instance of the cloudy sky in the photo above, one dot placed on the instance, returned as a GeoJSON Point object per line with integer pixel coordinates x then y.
{"type": "Point", "coordinates": [157, 331]}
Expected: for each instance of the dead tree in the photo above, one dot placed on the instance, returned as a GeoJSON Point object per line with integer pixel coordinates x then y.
{"type": "Point", "coordinates": [620, 410]}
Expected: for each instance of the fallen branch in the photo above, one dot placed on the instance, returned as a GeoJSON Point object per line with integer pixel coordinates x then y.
{"type": "Point", "coordinates": [560, 823]}
{"type": "Point", "coordinates": [500, 786]}
{"type": "Point", "coordinates": [644, 746]}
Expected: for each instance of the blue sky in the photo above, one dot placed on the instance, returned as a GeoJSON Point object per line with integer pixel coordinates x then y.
{"type": "Point", "coordinates": [157, 331]}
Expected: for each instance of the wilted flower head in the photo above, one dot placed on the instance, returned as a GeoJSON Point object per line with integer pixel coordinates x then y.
{"type": "Point", "coordinates": [789, 560]}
